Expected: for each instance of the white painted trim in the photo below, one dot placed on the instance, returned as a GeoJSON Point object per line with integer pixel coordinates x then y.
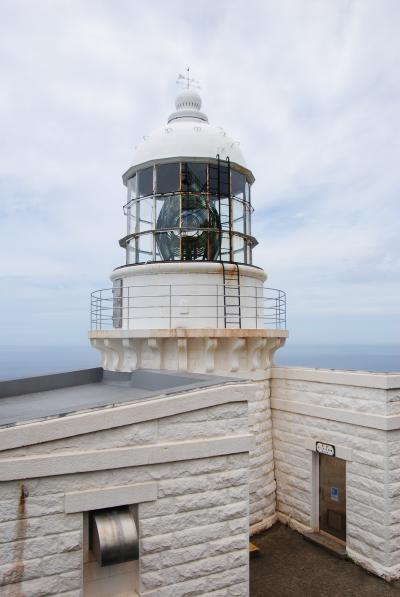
{"type": "Point", "coordinates": [389, 573]}
{"type": "Point", "coordinates": [293, 524]}
{"type": "Point", "coordinates": [110, 497]}
{"type": "Point", "coordinates": [117, 416]}
{"type": "Point", "coordinates": [263, 525]}
{"type": "Point", "coordinates": [190, 333]}
{"type": "Point", "coordinates": [385, 423]}
{"type": "Point", "coordinates": [383, 381]}
{"type": "Point", "coordinates": [186, 267]}
{"type": "Point", "coordinates": [314, 491]}
{"type": "Point", "coordinates": [343, 452]}
{"type": "Point", "coordinates": [64, 463]}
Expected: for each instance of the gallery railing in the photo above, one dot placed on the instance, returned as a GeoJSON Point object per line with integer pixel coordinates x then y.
{"type": "Point", "coordinates": [177, 305]}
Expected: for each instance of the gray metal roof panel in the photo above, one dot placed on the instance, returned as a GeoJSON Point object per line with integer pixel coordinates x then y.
{"type": "Point", "coordinates": [112, 390]}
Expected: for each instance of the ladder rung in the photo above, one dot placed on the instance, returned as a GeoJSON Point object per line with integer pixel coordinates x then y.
{"type": "Point", "coordinates": [232, 305]}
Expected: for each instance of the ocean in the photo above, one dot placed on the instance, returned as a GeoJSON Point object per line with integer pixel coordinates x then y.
{"type": "Point", "coordinates": [23, 361]}
{"type": "Point", "coordinates": [358, 357]}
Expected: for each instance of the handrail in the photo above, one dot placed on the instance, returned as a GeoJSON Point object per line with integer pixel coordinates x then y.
{"type": "Point", "coordinates": [134, 200]}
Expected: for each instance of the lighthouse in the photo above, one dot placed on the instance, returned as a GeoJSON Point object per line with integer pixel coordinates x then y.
{"type": "Point", "coordinates": [187, 439]}
{"type": "Point", "coordinates": [189, 296]}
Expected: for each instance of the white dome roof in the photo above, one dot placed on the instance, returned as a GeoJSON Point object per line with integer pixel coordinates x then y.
{"type": "Point", "coordinates": [186, 138]}
{"type": "Point", "coordinates": [188, 134]}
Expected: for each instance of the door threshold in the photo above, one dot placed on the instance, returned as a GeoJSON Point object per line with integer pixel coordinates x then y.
{"type": "Point", "coordinates": [331, 544]}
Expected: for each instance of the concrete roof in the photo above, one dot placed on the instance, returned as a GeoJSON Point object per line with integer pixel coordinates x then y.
{"type": "Point", "coordinates": [57, 395]}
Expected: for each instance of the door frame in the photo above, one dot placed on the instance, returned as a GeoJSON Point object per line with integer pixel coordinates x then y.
{"type": "Point", "coordinates": [343, 452]}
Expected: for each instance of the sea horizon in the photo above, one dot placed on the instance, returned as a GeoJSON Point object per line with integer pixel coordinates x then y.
{"type": "Point", "coordinates": [26, 361]}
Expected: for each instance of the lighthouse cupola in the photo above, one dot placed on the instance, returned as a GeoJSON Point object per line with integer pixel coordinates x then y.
{"type": "Point", "coordinates": [188, 193]}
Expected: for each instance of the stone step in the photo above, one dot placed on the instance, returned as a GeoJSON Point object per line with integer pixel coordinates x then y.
{"type": "Point", "coordinates": [337, 548]}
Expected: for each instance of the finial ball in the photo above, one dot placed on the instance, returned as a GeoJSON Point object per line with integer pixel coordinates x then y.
{"type": "Point", "coordinates": [188, 99]}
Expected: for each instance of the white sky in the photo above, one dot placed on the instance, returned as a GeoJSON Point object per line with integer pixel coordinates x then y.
{"type": "Point", "coordinates": [309, 87]}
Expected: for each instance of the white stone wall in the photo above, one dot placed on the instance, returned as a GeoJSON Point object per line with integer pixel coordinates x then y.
{"type": "Point", "coordinates": [261, 473]}
{"type": "Point", "coordinates": [209, 489]}
{"type": "Point", "coordinates": [392, 515]}
{"type": "Point", "coordinates": [187, 294]}
{"type": "Point", "coordinates": [193, 537]}
{"type": "Point", "coordinates": [254, 411]}
{"type": "Point", "coordinates": [198, 527]}
{"type": "Point", "coordinates": [354, 412]}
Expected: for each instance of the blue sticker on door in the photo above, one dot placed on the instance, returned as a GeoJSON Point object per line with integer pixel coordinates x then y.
{"type": "Point", "coordinates": [335, 494]}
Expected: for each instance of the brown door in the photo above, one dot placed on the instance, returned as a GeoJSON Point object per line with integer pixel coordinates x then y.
{"type": "Point", "coordinates": [332, 496]}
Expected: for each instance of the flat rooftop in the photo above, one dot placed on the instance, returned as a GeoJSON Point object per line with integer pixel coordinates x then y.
{"type": "Point", "coordinates": [47, 396]}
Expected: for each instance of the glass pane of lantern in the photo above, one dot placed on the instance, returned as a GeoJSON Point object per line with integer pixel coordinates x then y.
{"type": "Point", "coordinates": [224, 181]}
{"type": "Point", "coordinates": [238, 248]}
{"type": "Point", "coordinates": [145, 214]}
{"type": "Point", "coordinates": [225, 247]}
{"type": "Point", "coordinates": [248, 220]}
{"type": "Point", "coordinates": [224, 212]}
{"type": "Point", "coordinates": [132, 188]}
{"type": "Point", "coordinates": [237, 216]}
{"type": "Point", "coordinates": [159, 206]}
{"type": "Point", "coordinates": [167, 178]}
{"type": "Point", "coordinates": [168, 219]}
{"type": "Point", "coordinates": [239, 256]}
{"type": "Point", "coordinates": [130, 251]}
{"type": "Point", "coordinates": [131, 218]}
{"type": "Point", "coordinates": [247, 190]}
{"type": "Point", "coordinates": [214, 223]}
{"type": "Point", "coordinates": [238, 225]}
{"type": "Point", "coordinates": [249, 257]}
{"type": "Point", "coordinates": [238, 182]}
{"type": "Point", "coordinates": [214, 209]}
{"type": "Point", "coordinates": [194, 224]}
{"type": "Point", "coordinates": [194, 211]}
{"type": "Point", "coordinates": [145, 247]}
{"type": "Point", "coordinates": [194, 177]}
{"type": "Point", "coordinates": [158, 256]}
{"type": "Point", "coordinates": [222, 178]}
{"type": "Point", "coordinates": [213, 179]}
{"type": "Point", "coordinates": [145, 182]}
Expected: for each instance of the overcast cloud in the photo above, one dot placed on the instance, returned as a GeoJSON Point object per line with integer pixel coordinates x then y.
{"type": "Point", "coordinates": [311, 90]}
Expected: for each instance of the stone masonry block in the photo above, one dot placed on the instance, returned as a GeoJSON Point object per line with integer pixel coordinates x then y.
{"type": "Point", "coordinates": [167, 524]}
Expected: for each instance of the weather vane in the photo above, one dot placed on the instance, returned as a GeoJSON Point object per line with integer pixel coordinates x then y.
{"type": "Point", "coordinates": [187, 81]}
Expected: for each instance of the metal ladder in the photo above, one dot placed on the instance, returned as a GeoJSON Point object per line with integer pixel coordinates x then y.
{"type": "Point", "coordinates": [232, 307]}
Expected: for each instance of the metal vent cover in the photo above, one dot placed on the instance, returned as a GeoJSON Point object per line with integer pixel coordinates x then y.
{"type": "Point", "coordinates": [114, 537]}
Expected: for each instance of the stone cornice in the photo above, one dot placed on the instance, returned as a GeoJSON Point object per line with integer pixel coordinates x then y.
{"type": "Point", "coordinates": [117, 416]}
{"type": "Point", "coordinates": [365, 379]}
{"type": "Point", "coordinates": [28, 467]}
{"type": "Point", "coordinates": [235, 352]}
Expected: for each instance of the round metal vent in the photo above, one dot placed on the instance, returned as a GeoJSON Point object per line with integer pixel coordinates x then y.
{"type": "Point", "coordinates": [114, 536]}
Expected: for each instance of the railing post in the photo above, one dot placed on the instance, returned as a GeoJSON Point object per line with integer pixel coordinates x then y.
{"type": "Point", "coordinates": [257, 305]}
{"type": "Point", "coordinates": [284, 294]}
{"type": "Point", "coordinates": [217, 295]}
{"type": "Point", "coordinates": [101, 310]}
{"type": "Point", "coordinates": [170, 306]}
{"type": "Point", "coordinates": [128, 318]}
